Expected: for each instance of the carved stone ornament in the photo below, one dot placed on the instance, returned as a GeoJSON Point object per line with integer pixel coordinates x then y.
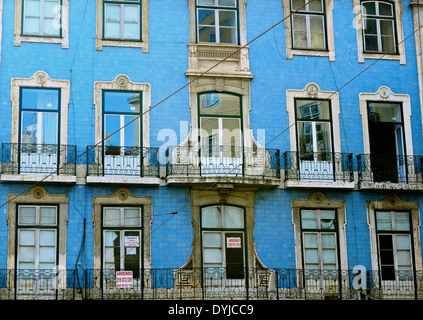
{"type": "Point", "coordinates": [122, 194]}
{"type": "Point", "coordinates": [122, 80]}
{"type": "Point", "coordinates": [384, 92]}
{"type": "Point", "coordinates": [40, 77]}
{"type": "Point", "coordinates": [220, 83]}
{"type": "Point", "coordinates": [312, 89]}
{"type": "Point", "coordinates": [38, 193]}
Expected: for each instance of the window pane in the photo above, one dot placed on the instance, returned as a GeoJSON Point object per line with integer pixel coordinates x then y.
{"type": "Point", "coordinates": [206, 2]}
{"type": "Point", "coordinates": [227, 35]}
{"type": "Point", "coordinates": [370, 26]}
{"type": "Point", "coordinates": [32, 8]}
{"type": "Point", "coordinates": [402, 221]}
{"type": "Point", "coordinates": [132, 14]}
{"type": "Point", "coordinates": [385, 112]}
{"type": "Point", "coordinates": [310, 240]}
{"type": "Point", "coordinates": [122, 102]}
{"type": "Point", "coordinates": [213, 256]}
{"type": "Point", "coordinates": [329, 257]}
{"type": "Point", "coordinates": [403, 242]}
{"type": "Point", "coordinates": [296, 4]}
{"type": "Point", "coordinates": [308, 219]}
{"type": "Point", "coordinates": [111, 217]}
{"type": "Point", "coordinates": [27, 255]}
{"type": "Point", "coordinates": [234, 217]}
{"type": "Point", "coordinates": [27, 215]}
{"type": "Point", "coordinates": [132, 217]}
{"type": "Point", "coordinates": [227, 3]}
{"type": "Point", "coordinates": [48, 215]}
{"type": "Point", "coordinates": [47, 255]}
{"type": "Point", "coordinates": [111, 238]}
{"type": "Point", "coordinates": [316, 6]}
{"type": "Point", "coordinates": [368, 8]}
{"type": "Point", "coordinates": [207, 34]}
{"type": "Point", "coordinates": [370, 43]}
{"type": "Point", "coordinates": [299, 31]}
{"type": "Point", "coordinates": [131, 31]}
{"type": "Point", "coordinates": [220, 104]}
{"type": "Point", "coordinates": [327, 219]}
{"type": "Point", "coordinates": [132, 134]}
{"type": "Point", "coordinates": [112, 12]}
{"type": "Point", "coordinates": [51, 27]}
{"type": "Point", "coordinates": [51, 9]}
{"type": "Point", "coordinates": [40, 99]}
{"type": "Point", "coordinates": [112, 30]}
{"type": "Point", "coordinates": [313, 109]}
{"type": "Point", "coordinates": [211, 217]}
{"type": "Point", "coordinates": [311, 256]}
{"type": "Point", "coordinates": [206, 17]}
{"type": "Point", "coordinates": [385, 9]}
{"type": "Point", "coordinates": [317, 32]}
{"type": "Point", "coordinates": [383, 220]}
{"type": "Point", "coordinates": [31, 26]}
{"type": "Point", "coordinates": [26, 237]}
{"type": "Point", "coordinates": [388, 44]}
{"type": "Point", "coordinates": [328, 241]}
{"type": "Point", "coordinates": [111, 126]}
{"type": "Point", "coordinates": [227, 18]}
{"type": "Point", "coordinates": [47, 238]}
{"type": "Point", "coordinates": [212, 240]}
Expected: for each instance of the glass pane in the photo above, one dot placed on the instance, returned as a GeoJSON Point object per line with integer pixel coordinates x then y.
{"type": "Point", "coordinates": [311, 256]}
{"type": "Point", "coordinates": [316, 6]}
{"type": "Point", "coordinates": [27, 254]}
{"type": "Point", "coordinates": [310, 240]}
{"type": "Point", "coordinates": [402, 221]}
{"type": "Point", "coordinates": [210, 137]}
{"type": "Point", "coordinates": [370, 26]}
{"type": "Point", "coordinates": [207, 34]}
{"type": "Point", "coordinates": [368, 8]}
{"type": "Point", "coordinates": [385, 112]}
{"type": "Point", "coordinates": [47, 254]}
{"type": "Point", "coordinates": [327, 219]}
{"type": "Point", "coordinates": [227, 18]}
{"type": "Point", "coordinates": [131, 131]}
{"type": "Point", "coordinates": [227, 3]}
{"type": "Point", "coordinates": [227, 35]}
{"type": "Point", "coordinates": [32, 8]}
{"type": "Point", "coordinates": [48, 215]}
{"type": "Point", "coordinates": [112, 12]}
{"type": "Point", "coordinates": [111, 238]}
{"type": "Point", "coordinates": [404, 258]}
{"type": "Point", "coordinates": [206, 17]}
{"type": "Point", "coordinates": [121, 102]}
{"type": "Point", "coordinates": [212, 256]}
{"type": "Point", "coordinates": [132, 217]}
{"type": "Point", "coordinates": [206, 2]}
{"type": "Point", "coordinates": [51, 27]}
{"type": "Point", "coordinates": [296, 4]}
{"type": "Point", "coordinates": [51, 9]}
{"type": "Point", "coordinates": [27, 215]}
{"type": "Point", "coordinates": [385, 9]}
{"type": "Point", "coordinates": [308, 219]}
{"type": "Point", "coordinates": [234, 217]}
{"type": "Point", "coordinates": [26, 237]}
{"type": "Point", "coordinates": [387, 27]}
{"type": "Point", "coordinates": [111, 126]}
{"type": "Point", "coordinates": [111, 217]}
{"type": "Point", "coordinates": [231, 138]}
{"type": "Point", "coordinates": [212, 240]}
{"type": "Point", "coordinates": [383, 220]}
{"type": "Point", "coordinates": [313, 109]}
{"type": "Point", "coordinates": [132, 14]}
{"type": "Point", "coordinates": [31, 26]}
{"type": "Point", "coordinates": [220, 104]}
{"type": "Point", "coordinates": [40, 99]}
{"type": "Point", "coordinates": [328, 241]}
{"type": "Point", "coordinates": [49, 128]}
{"type": "Point", "coordinates": [329, 256]}
{"type": "Point", "coordinates": [112, 30]}
{"type": "Point", "coordinates": [388, 44]}
{"type": "Point", "coordinates": [317, 32]}
{"type": "Point", "coordinates": [131, 31]}
{"type": "Point", "coordinates": [211, 217]}
{"type": "Point", "coordinates": [299, 31]}
{"type": "Point", "coordinates": [403, 242]}
{"type": "Point", "coordinates": [47, 238]}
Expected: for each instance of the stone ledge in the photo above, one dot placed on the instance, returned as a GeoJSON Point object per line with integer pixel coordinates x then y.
{"type": "Point", "coordinates": [123, 180]}
{"type": "Point", "coordinates": [247, 181]}
{"type": "Point", "coordinates": [37, 178]}
{"type": "Point", "coordinates": [320, 184]}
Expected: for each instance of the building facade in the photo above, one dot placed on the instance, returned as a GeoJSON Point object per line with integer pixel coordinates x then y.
{"type": "Point", "coordinates": [211, 149]}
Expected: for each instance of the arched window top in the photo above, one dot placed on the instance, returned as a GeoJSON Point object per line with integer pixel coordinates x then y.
{"type": "Point", "coordinates": [378, 8]}
{"type": "Point", "coordinates": [222, 216]}
{"type": "Point", "coordinates": [219, 104]}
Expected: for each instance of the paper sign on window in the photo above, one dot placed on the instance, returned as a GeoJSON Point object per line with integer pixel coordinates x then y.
{"type": "Point", "coordinates": [132, 241]}
{"type": "Point", "coordinates": [233, 242]}
{"type": "Point", "coordinates": [124, 279]}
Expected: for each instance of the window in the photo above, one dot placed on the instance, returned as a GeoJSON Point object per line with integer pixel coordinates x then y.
{"type": "Point", "coordinates": [394, 238]}
{"type": "Point", "coordinates": [379, 32]}
{"type": "Point", "coordinates": [122, 19]}
{"type": "Point", "coordinates": [39, 134]}
{"type": "Point", "coordinates": [42, 17]}
{"type": "Point", "coordinates": [308, 24]}
{"type": "Point", "coordinates": [217, 21]}
{"type": "Point", "coordinates": [319, 238]}
{"type": "Point", "coordinates": [37, 237]}
{"type": "Point", "coordinates": [223, 242]}
{"type": "Point", "coordinates": [220, 133]}
{"type": "Point", "coordinates": [122, 240]}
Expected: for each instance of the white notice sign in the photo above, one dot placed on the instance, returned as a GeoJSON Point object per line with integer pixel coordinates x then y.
{"type": "Point", "coordinates": [124, 279]}
{"type": "Point", "coordinates": [233, 242]}
{"type": "Point", "coordinates": [132, 241]}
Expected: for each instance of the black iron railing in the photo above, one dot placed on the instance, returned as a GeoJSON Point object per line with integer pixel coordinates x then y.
{"type": "Point", "coordinates": [318, 166]}
{"type": "Point", "coordinates": [210, 283]}
{"type": "Point", "coordinates": [390, 169]}
{"type": "Point", "coordinates": [122, 161]}
{"type": "Point", "coordinates": [28, 158]}
{"type": "Point", "coordinates": [230, 161]}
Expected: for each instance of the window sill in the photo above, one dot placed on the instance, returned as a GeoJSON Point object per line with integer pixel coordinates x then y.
{"type": "Point", "coordinates": [312, 53]}
{"type": "Point", "coordinates": [37, 178]}
{"type": "Point", "coordinates": [151, 181]}
{"type": "Point", "coordinates": [41, 39]}
{"type": "Point", "coordinates": [382, 56]}
{"type": "Point", "coordinates": [320, 184]}
{"type": "Point", "coordinates": [121, 43]}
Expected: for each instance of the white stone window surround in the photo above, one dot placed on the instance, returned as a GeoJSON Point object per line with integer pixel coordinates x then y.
{"type": "Point", "coordinates": [101, 42]}
{"type": "Point", "coordinates": [19, 37]}
{"type": "Point", "coordinates": [290, 51]}
{"type": "Point", "coordinates": [384, 94]}
{"type": "Point", "coordinates": [312, 91]}
{"type": "Point", "coordinates": [393, 202]}
{"type": "Point", "coordinates": [399, 35]}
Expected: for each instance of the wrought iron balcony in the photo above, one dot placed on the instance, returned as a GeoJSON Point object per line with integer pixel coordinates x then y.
{"type": "Point", "coordinates": [318, 166]}
{"type": "Point", "coordinates": [122, 161]}
{"type": "Point", "coordinates": [28, 158]}
{"type": "Point", "coordinates": [389, 169]}
{"type": "Point", "coordinates": [223, 161]}
{"type": "Point", "coordinates": [210, 283]}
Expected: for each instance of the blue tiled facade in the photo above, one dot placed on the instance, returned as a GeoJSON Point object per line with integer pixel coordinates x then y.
{"type": "Point", "coordinates": [163, 67]}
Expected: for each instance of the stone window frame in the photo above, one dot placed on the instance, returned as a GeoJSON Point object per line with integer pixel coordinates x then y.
{"type": "Point", "coordinates": [122, 83]}
{"type": "Point", "coordinates": [362, 56]}
{"type": "Point", "coordinates": [384, 94]}
{"type": "Point", "coordinates": [318, 200]}
{"type": "Point", "coordinates": [40, 80]}
{"type": "Point", "coordinates": [122, 197]}
{"type": "Point", "coordinates": [330, 38]}
{"type": "Point", "coordinates": [101, 42]}
{"type": "Point", "coordinates": [63, 39]}
{"type": "Point", "coordinates": [393, 202]}
{"type": "Point", "coordinates": [312, 91]}
{"type": "Point", "coordinates": [37, 195]}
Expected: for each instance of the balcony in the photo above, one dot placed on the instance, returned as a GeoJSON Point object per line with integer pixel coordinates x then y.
{"type": "Point", "coordinates": [114, 164]}
{"type": "Point", "coordinates": [318, 169]}
{"type": "Point", "coordinates": [25, 162]}
{"type": "Point", "coordinates": [390, 172]}
{"type": "Point", "coordinates": [225, 164]}
{"type": "Point", "coordinates": [209, 284]}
